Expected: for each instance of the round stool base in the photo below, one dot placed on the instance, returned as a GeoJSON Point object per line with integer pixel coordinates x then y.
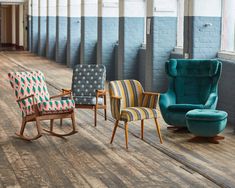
{"type": "Point", "coordinates": [214, 139]}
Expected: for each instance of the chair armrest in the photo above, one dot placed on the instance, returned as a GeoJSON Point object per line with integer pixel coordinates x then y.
{"type": "Point", "coordinates": [115, 104]}
{"type": "Point", "coordinates": [100, 92]}
{"type": "Point", "coordinates": [150, 99]}
{"type": "Point", "coordinates": [30, 96]}
{"type": "Point", "coordinates": [62, 94]}
{"type": "Point", "coordinates": [211, 101]}
{"type": "Point", "coordinates": [66, 90]}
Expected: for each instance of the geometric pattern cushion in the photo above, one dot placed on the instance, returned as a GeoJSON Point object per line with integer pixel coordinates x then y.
{"type": "Point", "coordinates": [137, 113]}
{"type": "Point", "coordinates": [55, 106]}
{"type": "Point", "coordinates": [87, 100]}
{"type": "Point", "coordinates": [33, 83]}
{"type": "Point", "coordinates": [28, 83]}
{"type": "Point", "coordinates": [87, 78]}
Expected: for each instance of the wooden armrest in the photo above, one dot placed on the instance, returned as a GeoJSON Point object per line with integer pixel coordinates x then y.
{"type": "Point", "coordinates": [116, 97]}
{"type": "Point", "coordinates": [101, 92]}
{"type": "Point", "coordinates": [25, 98]}
{"type": "Point", "coordinates": [150, 93]}
{"type": "Point", "coordinates": [61, 95]}
{"type": "Point", "coordinates": [66, 90]}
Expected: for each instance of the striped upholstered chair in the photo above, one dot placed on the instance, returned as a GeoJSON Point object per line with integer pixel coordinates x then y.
{"type": "Point", "coordinates": [129, 103]}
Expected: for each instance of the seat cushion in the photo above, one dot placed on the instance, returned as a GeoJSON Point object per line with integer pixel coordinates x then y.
{"type": "Point", "coordinates": [87, 100]}
{"type": "Point", "coordinates": [137, 113]}
{"type": "Point", "coordinates": [206, 115]}
{"type": "Point", "coordinates": [185, 107]}
{"type": "Point", "coordinates": [56, 106]}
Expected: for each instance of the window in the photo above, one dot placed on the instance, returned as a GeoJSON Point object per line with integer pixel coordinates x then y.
{"type": "Point", "coordinates": [228, 26]}
{"type": "Point", "coordinates": [180, 23]}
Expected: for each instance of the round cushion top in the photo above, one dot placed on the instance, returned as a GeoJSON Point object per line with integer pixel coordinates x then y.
{"type": "Point", "coordinates": [206, 115]}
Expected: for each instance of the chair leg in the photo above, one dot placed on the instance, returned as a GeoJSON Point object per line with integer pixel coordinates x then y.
{"type": "Point", "coordinates": [66, 134]}
{"type": "Point", "coordinates": [52, 124]}
{"type": "Point", "coordinates": [126, 134]}
{"type": "Point", "coordinates": [114, 131]}
{"type": "Point", "coordinates": [105, 110]}
{"type": "Point", "coordinates": [142, 129]}
{"type": "Point", "coordinates": [158, 130]}
{"type": "Point", "coordinates": [95, 111]}
{"type": "Point", "coordinates": [61, 122]}
{"type": "Point", "coordinates": [21, 134]}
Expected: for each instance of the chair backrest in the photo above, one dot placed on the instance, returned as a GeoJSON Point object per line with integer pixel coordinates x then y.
{"type": "Point", "coordinates": [87, 78]}
{"type": "Point", "coordinates": [193, 80]}
{"type": "Point", "coordinates": [28, 83]}
{"type": "Point", "coordinates": [131, 92]}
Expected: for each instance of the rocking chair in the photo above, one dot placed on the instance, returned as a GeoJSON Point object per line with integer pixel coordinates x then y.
{"type": "Point", "coordinates": [36, 105]}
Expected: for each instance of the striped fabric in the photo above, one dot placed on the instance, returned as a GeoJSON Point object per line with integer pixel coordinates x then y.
{"type": "Point", "coordinates": [137, 113]}
{"type": "Point", "coordinates": [134, 104]}
{"type": "Point", "coordinates": [150, 101]}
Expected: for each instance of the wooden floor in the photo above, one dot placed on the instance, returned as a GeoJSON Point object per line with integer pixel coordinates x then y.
{"type": "Point", "coordinates": [86, 159]}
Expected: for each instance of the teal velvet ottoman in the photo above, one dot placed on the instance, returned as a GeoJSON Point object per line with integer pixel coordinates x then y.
{"type": "Point", "coordinates": [206, 124]}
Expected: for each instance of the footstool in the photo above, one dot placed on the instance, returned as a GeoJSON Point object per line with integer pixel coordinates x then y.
{"type": "Point", "coordinates": [206, 124]}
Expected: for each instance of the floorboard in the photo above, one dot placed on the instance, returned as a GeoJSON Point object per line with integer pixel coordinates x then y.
{"type": "Point", "coordinates": [86, 159]}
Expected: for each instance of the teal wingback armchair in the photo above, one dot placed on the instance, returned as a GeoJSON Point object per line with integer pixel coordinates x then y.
{"type": "Point", "coordinates": [193, 84]}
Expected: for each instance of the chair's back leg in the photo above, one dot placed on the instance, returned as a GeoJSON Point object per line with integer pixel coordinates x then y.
{"type": "Point", "coordinates": [52, 124]}
{"type": "Point", "coordinates": [95, 114]}
{"type": "Point", "coordinates": [105, 110]}
{"type": "Point", "coordinates": [126, 134]}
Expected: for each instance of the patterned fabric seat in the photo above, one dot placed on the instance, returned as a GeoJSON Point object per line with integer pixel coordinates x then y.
{"type": "Point", "coordinates": [53, 106]}
{"type": "Point", "coordinates": [87, 100]}
{"type": "Point", "coordinates": [88, 83]}
{"type": "Point", "coordinates": [35, 102]}
{"type": "Point", "coordinates": [129, 103]}
{"type": "Point", "coordinates": [137, 113]}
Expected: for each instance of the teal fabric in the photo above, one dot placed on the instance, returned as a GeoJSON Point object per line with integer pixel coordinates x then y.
{"type": "Point", "coordinates": [193, 84]}
{"type": "Point", "coordinates": [206, 115]}
{"type": "Point", "coordinates": [206, 122]}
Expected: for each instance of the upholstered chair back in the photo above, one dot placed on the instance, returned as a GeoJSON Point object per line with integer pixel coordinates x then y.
{"type": "Point", "coordinates": [130, 91]}
{"type": "Point", "coordinates": [26, 84]}
{"type": "Point", "coordinates": [87, 78]}
{"type": "Point", "coordinates": [193, 80]}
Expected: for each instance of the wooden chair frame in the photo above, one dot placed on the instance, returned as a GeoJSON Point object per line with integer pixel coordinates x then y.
{"type": "Point", "coordinates": [95, 107]}
{"type": "Point", "coordinates": [37, 117]}
{"type": "Point", "coordinates": [142, 123]}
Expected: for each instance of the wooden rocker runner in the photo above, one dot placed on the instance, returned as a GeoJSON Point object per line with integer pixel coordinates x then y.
{"type": "Point", "coordinates": [37, 105]}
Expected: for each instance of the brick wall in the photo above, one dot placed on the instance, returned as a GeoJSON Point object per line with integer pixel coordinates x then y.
{"type": "Point", "coordinates": [51, 37]}
{"type": "Point", "coordinates": [73, 41]}
{"type": "Point", "coordinates": [61, 39]}
{"type": "Point", "coordinates": [42, 34]}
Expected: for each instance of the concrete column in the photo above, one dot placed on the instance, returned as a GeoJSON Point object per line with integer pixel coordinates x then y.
{"type": "Point", "coordinates": [131, 37]}
{"type": "Point", "coordinates": [42, 27]}
{"type": "Point", "coordinates": [34, 26]}
{"type": "Point", "coordinates": [89, 31]}
{"type": "Point", "coordinates": [202, 28]}
{"type": "Point", "coordinates": [161, 40]}
{"type": "Point", "coordinates": [13, 24]}
{"type": "Point", "coordinates": [21, 25]}
{"type": "Point", "coordinates": [29, 27]}
{"type": "Point", "coordinates": [51, 29]}
{"type": "Point", "coordinates": [107, 35]}
{"type": "Point", "coordinates": [74, 32]}
{"type": "Point", "coordinates": [61, 31]}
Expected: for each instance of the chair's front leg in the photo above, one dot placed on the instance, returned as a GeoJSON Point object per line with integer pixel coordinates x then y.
{"type": "Point", "coordinates": [158, 130]}
{"type": "Point", "coordinates": [142, 129]}
{"type": "Point", "coordinates": [114, 131]}
{"type": "Point", "coordinates": [105, 110]}
{"type": "Point", "coordinates": [126, 134]}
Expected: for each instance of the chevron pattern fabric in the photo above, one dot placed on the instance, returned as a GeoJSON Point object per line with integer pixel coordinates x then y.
{"type": "Point", "coordinates": [134, 104]}
{"type": "Point", "coordinates": [33, 83]}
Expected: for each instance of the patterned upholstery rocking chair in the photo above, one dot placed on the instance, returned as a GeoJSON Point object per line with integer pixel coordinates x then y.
{"type": "Point", "coordinates": [129, 103]}
{"type": "Point", "coordinates": [88, 85]}
{"type": "Point", "coordinates": [35, 103]}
